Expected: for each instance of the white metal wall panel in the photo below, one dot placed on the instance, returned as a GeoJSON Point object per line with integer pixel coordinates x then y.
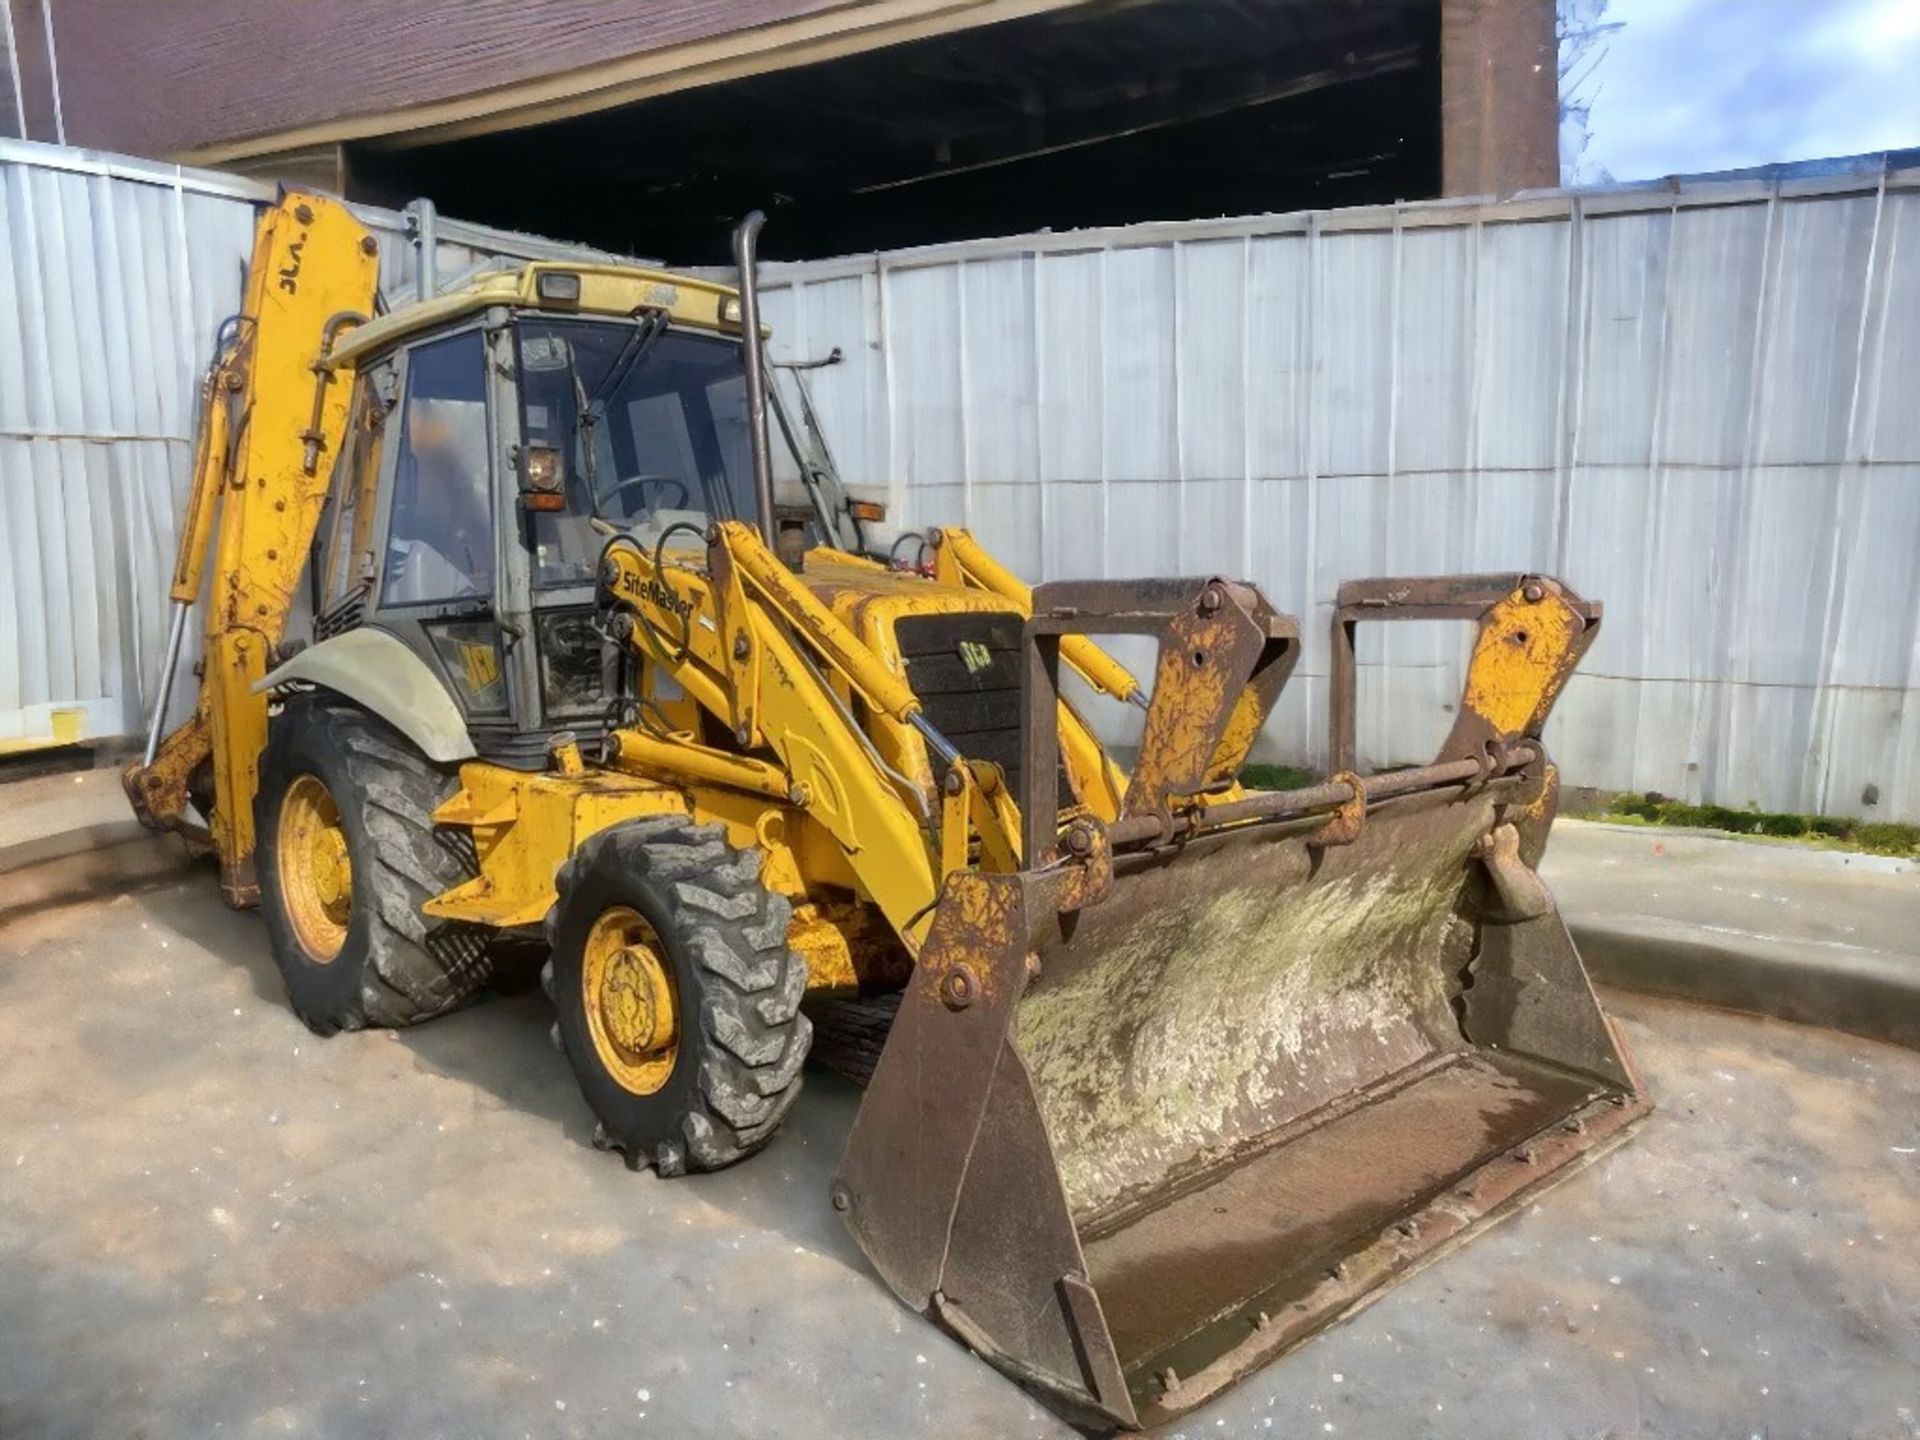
{"type": "Point", "coordinates": [1692, 402]}
{"type": "Point", "coordinates": [114, 276]}
{"type": "Point", "coordinates": [1069, 320]}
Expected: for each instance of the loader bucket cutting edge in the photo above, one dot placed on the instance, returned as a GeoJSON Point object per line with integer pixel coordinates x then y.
{"type": "Point", "coordinates": [1130, 1149]}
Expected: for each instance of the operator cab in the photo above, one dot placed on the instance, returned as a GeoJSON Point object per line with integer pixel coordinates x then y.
{"type": "Point", "coordinates": [498, 437]}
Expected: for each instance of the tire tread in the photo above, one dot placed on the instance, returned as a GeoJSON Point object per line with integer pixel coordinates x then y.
{"type": "Point", "coordinates": [414, 968]}
{"type": "Point", "coordinates": [751, 1038]}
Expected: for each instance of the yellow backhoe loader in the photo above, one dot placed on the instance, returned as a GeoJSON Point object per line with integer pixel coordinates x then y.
{"type": "Point", "coordinates": [1163, 1074]}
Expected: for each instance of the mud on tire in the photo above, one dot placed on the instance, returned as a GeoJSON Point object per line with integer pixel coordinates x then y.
{"type": "Point", "coordinates": [397, 966]}
{"type": "Point", "coordinates": [742, 1038]}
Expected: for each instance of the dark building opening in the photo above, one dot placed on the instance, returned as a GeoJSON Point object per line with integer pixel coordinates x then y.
{"type": "Point", "coordinates": [1096, 115]}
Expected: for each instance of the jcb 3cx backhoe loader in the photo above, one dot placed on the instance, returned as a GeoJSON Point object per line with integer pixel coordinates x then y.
{"type": "Point", "coordinates": [1162, 1074]}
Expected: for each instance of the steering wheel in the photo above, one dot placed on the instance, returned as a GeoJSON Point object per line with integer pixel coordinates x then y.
{"type": "Point", "coordinates": [636, 482]}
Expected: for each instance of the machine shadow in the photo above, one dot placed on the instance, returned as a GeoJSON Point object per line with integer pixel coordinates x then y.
{"type": "Point", "coordinates": [180, 902]}
{"type": "Point", "coordinates": [500, 1045]}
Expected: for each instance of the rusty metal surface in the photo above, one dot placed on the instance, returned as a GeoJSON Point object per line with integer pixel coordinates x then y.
{"type": "Point", "coordinates": [929, 1091]}
{"type": "Point", "coordinates": [1435, 597]}
{"type": "Point", "coordinates": [1336, 793]}
{"type": "Point", "coordinates": [1534, 616]}
{"type": "Point", "coordinates": [1219, 994]}
{"type": "Point", "coordinates": [1224, 655]}
{"type": "Point", "coordinates": [1199, 1082]}
{"type": "Point", "coordinates": [1206, 705]}
{"type": "Point", "coordinates": [1466, 1140]}
{"type": "Point", "coordinates": [1167, 1274]}
{"type": "Point", "coordinates": [160, 792]}
{"type": "Point", "coordinates": [1254, 1079]}
{"type": "Point", "coordinates": [948, 1183]}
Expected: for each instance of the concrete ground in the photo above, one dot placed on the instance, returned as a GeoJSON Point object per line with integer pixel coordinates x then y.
{"type": "Point", "coordinates": [1836, 902]}
{"type": "Point", "coordinates": [1822, 936]}
{"type": "Point", "coordinates": [213, 1223]}
{"type": "Point", "coordinates": [66, 834]}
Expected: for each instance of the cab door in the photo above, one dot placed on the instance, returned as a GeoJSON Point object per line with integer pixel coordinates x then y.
{"type": "Point", "coordinates": [437, 558]}
{"type": "Point", "coordinates": [343, 569]}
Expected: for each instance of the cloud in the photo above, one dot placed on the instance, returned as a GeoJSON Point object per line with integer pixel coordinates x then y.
{"type": "Point", "coordinates": [1695, 85]}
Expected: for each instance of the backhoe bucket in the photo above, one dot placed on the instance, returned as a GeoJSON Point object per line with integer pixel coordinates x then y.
{"type": "Point", "coordinates": [1153, 1112]}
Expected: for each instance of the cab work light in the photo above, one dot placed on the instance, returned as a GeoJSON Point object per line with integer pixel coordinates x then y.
{"type": "Point", "coordinates": [540, 479]}
{"type": "Point", "coordinates": [558, 287]}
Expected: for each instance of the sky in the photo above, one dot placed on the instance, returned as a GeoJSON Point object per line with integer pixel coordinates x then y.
{"type": "Point", "coordinates": [1700, 85]}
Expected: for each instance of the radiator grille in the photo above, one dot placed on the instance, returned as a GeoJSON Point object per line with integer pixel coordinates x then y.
{"type": "Point", "coordinates": [965, 670]}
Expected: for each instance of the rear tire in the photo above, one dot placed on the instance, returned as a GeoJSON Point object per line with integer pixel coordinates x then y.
{"type": "Point", "coordinates": [393, 965]}
{"type": "Point", "coordinates": [718, 939]}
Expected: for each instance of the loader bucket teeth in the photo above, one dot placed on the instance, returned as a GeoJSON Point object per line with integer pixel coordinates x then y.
{"type": "Point", "coordinates": [1171, 1123]}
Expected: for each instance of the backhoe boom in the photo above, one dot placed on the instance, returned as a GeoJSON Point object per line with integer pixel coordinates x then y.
{"type": "Point", "coordinates": [271, 420]}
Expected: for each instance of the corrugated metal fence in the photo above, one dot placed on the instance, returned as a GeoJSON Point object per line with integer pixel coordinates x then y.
{"type": "Point", "coordinates": [1688, 402]}
{"type": "Point", "coordinates": [114, 275]}
{"type": "Point", "coordinates": [1695, 403]}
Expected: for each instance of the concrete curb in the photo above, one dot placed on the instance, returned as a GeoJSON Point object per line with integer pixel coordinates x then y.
{"type": "Point", "coordinates": [1810, 935]}
{"type": "Point", "coordinates": [44, 849]}
{"type": "Point", "coordinates": [1868, 993]}
{"type": "Point", "coordinates": [70, 836]}
{"type": "Point", "coordinates": [76, 874]}
{"type": "Point", "coordinates": [62, 812]}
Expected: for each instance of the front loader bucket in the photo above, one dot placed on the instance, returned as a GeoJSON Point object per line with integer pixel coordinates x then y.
{"type": "Point", "coordinates": [1150, 1116]}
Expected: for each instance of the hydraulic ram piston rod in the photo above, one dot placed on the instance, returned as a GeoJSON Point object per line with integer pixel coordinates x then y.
{"type": "Point", "coordinates": [176, 633]}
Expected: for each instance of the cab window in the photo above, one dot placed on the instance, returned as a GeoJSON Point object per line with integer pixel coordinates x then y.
{"type": "Point", "coordinates": [347, 567]}
{"type": "Point", "coordinates": [440, 545]}
{"type": "Point", "coordinates": [649, 427]}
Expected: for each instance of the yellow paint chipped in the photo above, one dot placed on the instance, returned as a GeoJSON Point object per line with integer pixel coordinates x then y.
{"type": "Point", "coordinates": [1520, 661]}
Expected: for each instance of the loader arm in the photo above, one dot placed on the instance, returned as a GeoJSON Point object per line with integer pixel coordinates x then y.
{"type": "Point", "coordinates": [729, 633]}
{"type": "Point", "coordinates": [960, 559]}
{"type": "Point", "coordinates": [272, 415]}
{"type": "Point", "coordinates": [747, 639]}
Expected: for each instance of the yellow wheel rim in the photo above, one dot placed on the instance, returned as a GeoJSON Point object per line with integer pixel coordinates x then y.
{"type": "Point", "coordinates": [633, 1008]}
{"type": "Point", "coordinates": [314, 868]}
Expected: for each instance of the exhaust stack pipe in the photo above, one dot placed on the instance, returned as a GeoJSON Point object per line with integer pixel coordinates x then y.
{"type": "Point", "coordinates": [746, 236]}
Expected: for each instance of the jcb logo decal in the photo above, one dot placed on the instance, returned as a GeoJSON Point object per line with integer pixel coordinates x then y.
{"type": "Point", "coordinates": [290, 276]}
{"type": "Point", "coordinates": [482, 664]}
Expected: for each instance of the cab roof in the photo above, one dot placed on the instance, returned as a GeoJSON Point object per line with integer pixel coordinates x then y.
{"type": "Point", "coordinates": [605, 290]}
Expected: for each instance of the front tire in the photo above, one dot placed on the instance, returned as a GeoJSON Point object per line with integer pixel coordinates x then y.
{"type": "Point", "coordinates": [677, 995]}
{"type": "Point", "coordinates": [348, 853]}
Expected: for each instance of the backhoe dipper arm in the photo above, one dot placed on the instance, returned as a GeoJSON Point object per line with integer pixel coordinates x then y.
{"type": "Point", "coordinates": [272, 417]}
{"type": "Point", "coordinates": [157, 786]}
